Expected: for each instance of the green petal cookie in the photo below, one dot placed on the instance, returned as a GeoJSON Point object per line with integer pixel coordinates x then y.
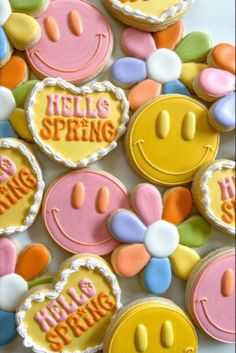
{"type": "Point", "coordinates": [194, 232]}
{"type": "Point", "coordinates": [194, 47]}
{"type": "Point", "coordinates": [22, 92]}
{"type": "Point", "coordinates": [46, 279]}
{"type": "Point", "coordinates": [29, 7]}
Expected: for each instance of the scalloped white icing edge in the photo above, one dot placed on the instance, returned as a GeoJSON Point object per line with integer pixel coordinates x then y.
{"type": "Point", "coordinates": [206, 201]}
{"type": "Point", "coordinates": [8, 144]}
{"type": "Point", "coordinates": [105, 86]}
{"type": "Point", "coordinates": [140, 15]}
{"type": "Point", "coordinates": [91, 264]}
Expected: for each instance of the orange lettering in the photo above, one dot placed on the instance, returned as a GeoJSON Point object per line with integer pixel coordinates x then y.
{"type": "Point", "coordinates": [56, 343]}
{"type": "Point", "coordinates": [46, 132]}
{"type": "Point", "coordinates": [77, 327]}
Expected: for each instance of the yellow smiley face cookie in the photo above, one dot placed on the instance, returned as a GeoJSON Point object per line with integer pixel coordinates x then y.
{"type": "Point", "coordinates": [170, 138]}
{"type": "Point", "coordinates": [151, 325]}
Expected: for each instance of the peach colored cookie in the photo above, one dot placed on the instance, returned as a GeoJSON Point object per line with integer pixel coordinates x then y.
{"type": "Point", "coordinates": [222, 56]}
{"type": "Point", "coordinates": [14, 73]}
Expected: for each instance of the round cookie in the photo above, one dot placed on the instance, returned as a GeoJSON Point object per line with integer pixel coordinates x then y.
{"type": "Point", "coordinates": [7, 103]}
{"type": "Point", "coordinates": [76, 125]}
{"type": "Point", "coordinates": [76, 42]}
{"type": "Point", "coordinates": [17, 276]}
{"type": "Point", "coordinates": [73, 315]}
{"type": "Point", "coordinates": [75, 197]}
{"type": "Point", "coordinates": [148, 15]}
{"type": "Point", "coordinates": [210, 295]}
{"type": "Point", "coordinates": [168, 126]}
{"type": "Point", "coordinates": [21, 186]}
{"type": "Point", "coordinates": [151, 325]}
{"type": "Point", "coordinates": [222, 114]}
{"type": "Point", "coordinates": [214, 194]}
{"type": "Point", "coordinates": [14, 73]}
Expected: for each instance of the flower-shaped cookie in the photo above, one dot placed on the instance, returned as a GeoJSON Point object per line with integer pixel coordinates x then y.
{"type": "Point", "coordinates": [156, 61]}
{"type": "Point", "coordinates": [17, 276]}
{"type": "Point", "coordinates": [160, 239]}
{"type": "Point", "coordinates": [17, 29]}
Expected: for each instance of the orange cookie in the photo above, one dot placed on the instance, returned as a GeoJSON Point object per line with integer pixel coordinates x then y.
{"type": "Point", "coordinates": [222, 56]}
{"type": "Point", "coordinates": [14, 73]}
{"type": "Point", "coordinates": [169, 37]}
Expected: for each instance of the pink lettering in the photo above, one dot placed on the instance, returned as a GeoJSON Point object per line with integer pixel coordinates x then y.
{"type": "Point", "coordinates": [53, 107]}
{"type": "Point", "coordinates": [45, 320]}
{"type": "Point", "coordinates": [87, 287]}
{"type": "Point", "coordinates": [90, 112]}
{"type": "Point", "coordinates": [104, 107]}
{"type": "Point", "coordinates": [57, 312]}
{"type": "Point", "coordinates": [74, 296]}
{"type": "Point", "coordinates": [78, 113]}
{"type": "Point", "coordinates": [227, 186]}
{"type": "Point", "coordinates": [67, 106]}
{"type": "Point", "coordinates": [69, 308]}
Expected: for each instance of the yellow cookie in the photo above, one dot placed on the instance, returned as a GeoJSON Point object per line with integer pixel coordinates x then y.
{"type": "Point", "coordinates": [189, 72]}
{"type": "Point", "coordinates": [76, 125]}
{"type": "Point", "coordinates": [19, 123]}
{"type": "Point", "coordinates": [152, 325]}
{"type": "Point", "coordinates": [170, 138]}
{"type": "Point", "coordinates": [151, 15]}
{"type": "Point", "coordinates": [72, 315]}
{"type": "Point", "coordinates": [21, 186]}
{"type": "Point", "coordinates": [214, 194]}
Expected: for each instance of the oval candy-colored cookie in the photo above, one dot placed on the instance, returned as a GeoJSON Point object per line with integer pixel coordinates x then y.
{"type": "Point", "coordinates": [6, 130]}
{"type": "Point", "coordinates": [14, 73]}
{"type": "Point", "coordinates": [7, 256]}
{"type": "Point", "coordinates": [189, 72]}
{"type": "Point", "coordinates": [29, 7]}
{"type": "Point", "coordinates": [128, 71]}
{"type": "Point", "coordinates": [5, 12]}
{"type": "Point", "coordinates": [8, 327]}
{"type": "Point", "coordinates": [5, 48]}
{"type": "Point", "coordinates": [7, 103]}
{"type": "Point", "coordinates": [23, 30]}
{"type": "Point", "coordinates": [13, 289]}
{"type": "Point", "coordinates": [143, 92]}
{"type": "Point", "coordinates": [194, 47]}
{"type": "Point", "coordinates": [223, 57]}
{"type": "Point", "coordinates": [222, 114]}
{"type": "Point", "coordinates": [19, 122]}
{"type": "Point", "coordinates": [175, 87]}
{"type": "Point", "coordinates": [22, 92]}
{"type": "Point", "coordinates": [169, 37]}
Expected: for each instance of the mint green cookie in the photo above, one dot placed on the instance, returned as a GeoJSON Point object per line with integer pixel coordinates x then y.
{"type": "Point", "coordinates": [22, 92]}
{"type": "Point", "coordinates": [45, 279]}
{"type": "Point", "coordinates": [194, 232]}
{"type": "Point", "coordinates": [29, 7]}
{"type": "Point", "coordinates": [194, 47]}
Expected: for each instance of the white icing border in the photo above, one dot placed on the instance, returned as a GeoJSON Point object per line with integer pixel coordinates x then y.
{"type": "Point", "coordinates": [8, 144]}
{"type": "Point", "coordinates": [91, 264]}
{"type": "Point", "coordinates": [93, 87]}
{"type": "Point", "coordinates": [140, 15]}
{"type": "Point", "coordinates": [206, 200]}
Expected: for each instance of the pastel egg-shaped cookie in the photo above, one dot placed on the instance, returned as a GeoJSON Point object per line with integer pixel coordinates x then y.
{"type": "Point", "coordinates": [194, 47]}
{"type": "Point", "coordinates": [18, 121]}
{"type": "Point", "coordinates": [222, 114]}
{"type": "Point", "coordinates": [22, 92]}
{"type": "Point", "coordinates": [5, 48]}
{"type": "Point", "coordinates": [14, 72]}
{"type": "Point", "coordinates": [29, 7]}
{"type": "Point", "coordinates": [7, 103]}
{"type": "Point", "coordinates": [223, 57]}
{"type": "Point", "coordinates": [5, 11]}
{"type": "Point", "coordinates": [212, 84]}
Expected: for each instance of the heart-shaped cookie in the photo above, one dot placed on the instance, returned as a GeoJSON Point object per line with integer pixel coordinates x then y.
{"type": "Point", "coordinates": [74, 315]}
{"type": "Point", "coordinates": [76, 126]}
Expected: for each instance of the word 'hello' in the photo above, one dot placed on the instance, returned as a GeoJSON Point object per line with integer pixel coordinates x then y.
{"type": "Point", "coordinates": [227, 186]}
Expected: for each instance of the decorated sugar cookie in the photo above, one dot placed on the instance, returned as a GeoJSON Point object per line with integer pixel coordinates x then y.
{"type": "Point", "coordinates": [222, 56]}
{"type": "Point", "coordinates": [151, 325]}
{"type": "Point", "coordinates": [210, 295]}
{"type": "Point", "coordinates": [76, 125]}
{"type": "Point", "coordinates": [73, 316]}
{"type": "Point", "coordinates": [222, 114]}
{"type": "Point", "coordinates": [14, 73]}
{"type": "Point", "coordinates": [170, 126]}
{"type": "Point", "coordinates": [22, 30]}
{"type": "Point", "coordinates": [17, 276]}
{"type": "Point", "coordinates": [148, 15]}
{"type": "Point", "coordinates": [157, 64]}
{"type": "Point", "coordinates": [214, 194]}
{"type": "Point", "coordinates": [21, 186]}
{"type": "Point", "coordinates": [76, 42]}
{"type": "Point", "coordinates": [159, 238]}
{"type": "Point", "coordinates": [76, 208]}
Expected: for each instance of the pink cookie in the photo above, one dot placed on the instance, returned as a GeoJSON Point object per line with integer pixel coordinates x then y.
{"type": "Point", "coordinates": [212, 84]}
{"type": "Point", "coordinates": [211, 295]}
{"type": "Point", "coordinates": [76, 209]}
{"type": "Point", "coordinates": [76, 42]}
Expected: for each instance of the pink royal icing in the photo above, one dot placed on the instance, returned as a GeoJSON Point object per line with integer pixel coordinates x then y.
{"type": "Point", "coordinates": [213, 298]}
{"type": "Point", "coordinates": [76, 209]}
{"type": "Point", "coordinates": [8, 256]}
{"type": "Point", "coordinates": [76, 41]}
{"type": "Point", "coordinates": [216, 82]}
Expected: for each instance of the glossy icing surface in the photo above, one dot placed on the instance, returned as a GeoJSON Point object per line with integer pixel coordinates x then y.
{"type": "Point", "coordinates": [72, 198]}
{"type": "Point", "coordinates": [213, 297]}
{"type": "Point", "coordinates": [14, 72]}
{"type": "Point", "coordinates": [76, 126]}
{"type": "Point", "coordinates": [171, 123]}
{"type": "Point", "coordinates": [90, 47]}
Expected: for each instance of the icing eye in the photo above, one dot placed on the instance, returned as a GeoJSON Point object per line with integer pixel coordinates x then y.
{"type": "Point", "coordinates": [141, 339]}
{"type": "Point", "coordinates": [189, 126]}
{"type": "Point", "coordinates": [78, 196]}
{"type": "Point", "coordinates": [228, 283]}
{"type": "Point", "coordinates": [75, 23]}
{"type": "Point", "coordinates": [103, 200]}
{"type": "Point", "coordinates": [52, 29]}
{"type": "Point", "coordinates": [163, 124]}
{"type": "Point", "coordinates": [167, 334]}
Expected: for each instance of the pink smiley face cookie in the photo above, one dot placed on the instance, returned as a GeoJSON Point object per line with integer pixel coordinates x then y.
{"type": "Point", "coordinates": [76, 42]}
{"type": "Point", "coordinates": [76, 209]}
{"type": "Point", "coordinates": [211, 295]}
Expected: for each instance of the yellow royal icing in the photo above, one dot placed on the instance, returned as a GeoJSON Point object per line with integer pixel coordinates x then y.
{"type": "Point", "coordinates": [152, 327]}
{"type": "Point", "coordinates": [170, 138]}
{"type": "Point", "coordinates": [21, 186]}
{"type": "Point", "coordinates": [189, 72]}
{"type": "Point", "coordinates": [77, 128]}
{"type": "Point", "coordinates": [183, 261]}
{"type": "Point", "coordinates": [76, 315]}
{"type": "Point", "coordinates": [19, 122]}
